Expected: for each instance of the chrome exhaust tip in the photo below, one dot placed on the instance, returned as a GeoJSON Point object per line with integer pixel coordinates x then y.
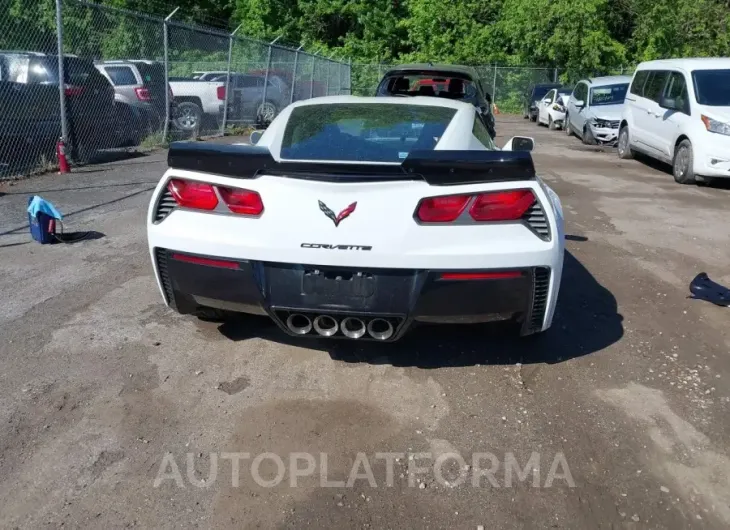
{"type": "Point", "coordinates": [353, 328]}
{"type": "Point", "coordinates": [299, 324]}
{"type": "Point", "coordinates": [380, 329]}
{"type": "Point", "coordinates": [325, 325]}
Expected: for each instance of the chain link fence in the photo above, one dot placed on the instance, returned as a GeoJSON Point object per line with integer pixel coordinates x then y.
{"type": "Point", "coordinates": [131, 80]}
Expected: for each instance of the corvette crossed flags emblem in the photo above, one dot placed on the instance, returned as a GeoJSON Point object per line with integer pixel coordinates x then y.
{"type": "Point", "coordinates": [337, 219]}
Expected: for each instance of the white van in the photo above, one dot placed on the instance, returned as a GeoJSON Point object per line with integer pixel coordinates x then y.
{"type": "Point", "coordinates": [678, 111]}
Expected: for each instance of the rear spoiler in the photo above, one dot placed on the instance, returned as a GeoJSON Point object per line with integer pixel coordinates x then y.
{"type": "Point", "coordinates": [437, 168]}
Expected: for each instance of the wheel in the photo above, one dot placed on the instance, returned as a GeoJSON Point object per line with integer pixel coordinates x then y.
{"type": "Point", "coordinates": [551, 124]}
{"type": "Point", "coordinates": [566, 126]}
{"type": "Point", "coordinates": [266, 113]}
{"type": "Point", "coordinates": [683, 164]}
{"type": "Point", "coordinates": [624, 150]}
{"type": "Point", "coordinates": [188, 116]}
{"type": "Point", "coordinates": [588, 138]}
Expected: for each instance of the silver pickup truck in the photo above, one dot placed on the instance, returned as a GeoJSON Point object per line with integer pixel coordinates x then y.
{"type": "Point", "coordinates": [197, 103]}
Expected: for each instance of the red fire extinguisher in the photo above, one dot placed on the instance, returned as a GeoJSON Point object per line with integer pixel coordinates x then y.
{"type": "Point", "coordinates": [61, 154]}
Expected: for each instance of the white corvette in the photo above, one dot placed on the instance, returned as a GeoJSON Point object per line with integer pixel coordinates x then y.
{"type": "Point", "coordinates": [357, 218]}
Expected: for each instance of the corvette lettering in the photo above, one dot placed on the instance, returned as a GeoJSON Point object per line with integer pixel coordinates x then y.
{"type": "Point", "coordinates": [336, 247]}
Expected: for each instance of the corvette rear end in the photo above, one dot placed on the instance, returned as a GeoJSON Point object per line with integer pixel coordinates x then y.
{"type": "Point", "coordinates": [361, 244]}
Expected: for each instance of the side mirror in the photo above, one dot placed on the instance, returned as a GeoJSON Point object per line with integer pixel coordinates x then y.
{"type": "Point", "coordinates": [580, 103]}
{"type": "Point", "coordinates": [519, 143]}
{"type": "Point", "coordinates": [255, 137]}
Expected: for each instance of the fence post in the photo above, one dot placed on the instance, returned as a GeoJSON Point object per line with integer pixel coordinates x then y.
{"type": "Point", "coordinates": [166, 129]}
{"type": "Point", "coordinates": [61, 76]}
{"type": "Point", "coordinates": [327, 83]}
{"type": "Point", "coordinates": [228, 80]}
{"type": "Point", "coordinates": [311, 82]}
{"type": "Point", "coordinates": [268, 67]}
{"type": "Point", "coordinates": [555, 75]}
{"type": "Point", "coordinates": [294, 75]}
{"type": "Point", "coordinates": [349, 76]}
{"type": "Point", "coordinates": [494, 85]}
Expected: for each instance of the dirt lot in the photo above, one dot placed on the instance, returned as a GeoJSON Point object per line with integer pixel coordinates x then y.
{"type": "Point", "coordinates": [621, 409]}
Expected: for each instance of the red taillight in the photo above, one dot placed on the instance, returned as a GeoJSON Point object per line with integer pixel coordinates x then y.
{"type": "Point", "coordinates": [442, 209]}
{"type": "Point", "coordinates": [500, 275]}
{"type": "Point", "coordinates": [143, 94]}
{"type": "Point", "coordinates": [221, 91]}
{"type": "Point", "coordinates": [70, 90]}
{"type": "Point", "coordinates": [191, 194]}
{"type": "Point", "coordinates": [245, 202]}
{"type": "Point", "coordinates": [206, 261]}
{"type": "Point", "coordinates": [501, 205]}
{"type": "Point", "coordinates": [508, 205]}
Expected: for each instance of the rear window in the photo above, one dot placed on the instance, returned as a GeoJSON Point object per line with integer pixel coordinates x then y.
{"type": "Point", "coordinates": [363, 132]}
{"type": "Point", "coordinates": [152, 74]}
{"type": "Point", "coordinates": [121, 75]}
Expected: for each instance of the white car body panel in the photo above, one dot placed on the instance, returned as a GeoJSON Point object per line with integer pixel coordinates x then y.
{"type": "Point", "coordinates": [656, 131]}
{"type": "Point", "coordinates": [383, 219]}
{"type": "Point", "coordinates": [546, 111]}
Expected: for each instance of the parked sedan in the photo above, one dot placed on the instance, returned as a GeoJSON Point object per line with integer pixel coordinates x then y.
{"type": "Point", "coordinates": [551, 109]}
{"type": "Point", "coordinates": [595, 107]}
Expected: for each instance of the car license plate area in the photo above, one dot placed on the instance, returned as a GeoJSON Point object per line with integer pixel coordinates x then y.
{"type": "Point", "coordinates": [338, 283]}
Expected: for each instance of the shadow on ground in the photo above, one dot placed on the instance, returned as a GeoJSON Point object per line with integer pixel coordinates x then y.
{"type": "Point", "coordinates": [586, 321]}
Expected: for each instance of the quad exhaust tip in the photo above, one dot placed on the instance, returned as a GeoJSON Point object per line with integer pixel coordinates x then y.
{"type": "Point", "coordinates": [380, 329]}
{"type": "Point", "coordinates": [325, 325]}
{"type": "Point", "coordinates": [299, 324]}
{"type": "Point", "coordinates": [353, 328]}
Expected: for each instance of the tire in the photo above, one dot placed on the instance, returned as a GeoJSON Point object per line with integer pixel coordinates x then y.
{"type": "Point", "coordinates": [266, 112]}
{"type": "Point", "coordinates": [188, 116]}
{"type": "Point", "coordinates": [551, 123]}
{"type": "Point", "coordinates": [683, 163]}
{"type": "Point", "coordinates": [587, 137]}
{"type": "Point", "coordinates": [622, 146]}
{"type": "Point", "coordinates": [566, 126]}
{"type": "Point", "coordinates": [533, 119]}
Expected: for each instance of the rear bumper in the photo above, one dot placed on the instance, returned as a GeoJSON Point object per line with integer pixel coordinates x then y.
{"type": "Point", "coordinates": [401, 296]}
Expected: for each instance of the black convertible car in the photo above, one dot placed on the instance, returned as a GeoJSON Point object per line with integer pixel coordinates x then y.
{"type": "Point", "coordinates": [444, 81]}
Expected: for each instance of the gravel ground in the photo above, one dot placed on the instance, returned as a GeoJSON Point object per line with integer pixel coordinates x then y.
{"type": "Point", "coordinates": [618, 416]}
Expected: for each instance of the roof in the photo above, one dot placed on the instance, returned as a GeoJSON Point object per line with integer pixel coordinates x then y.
{"type": "Point", "coordinates": [609, 80]}
{"type": "Point", "coordinates": [454, 68]}
{"type": "Point", "coordinates": [696, 63]}
{"type": "Point", "coordinates": [428, 101]}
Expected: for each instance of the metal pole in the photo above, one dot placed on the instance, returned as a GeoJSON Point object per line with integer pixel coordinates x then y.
{"type": "Point", "coordinates": [61, 76]}
{"type": "Point", "coordinates": [294, 75]}
{"type": "Point", "coordinates": [327, 83]}
{"type": "Point", "coordinates": [228, 80]}
{"type": "Point", "coordinates": [349, 76]}
{"type": "Point", "coordinates": [494, 85]}
{"type": "Point", "coordinates": [555, 75]}
{"type": "Point", "coordinates": [311, 82]}
{"type": "Point", "coordinates": [166, 129]}
{"type": "Point", "coordinates": [268, 67]}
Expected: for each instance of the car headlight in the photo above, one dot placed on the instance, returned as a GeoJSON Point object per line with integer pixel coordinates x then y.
{"type": "Point", "coordinates": [601, 124]}
{"type": "Point", "coordinates": [715, 126]}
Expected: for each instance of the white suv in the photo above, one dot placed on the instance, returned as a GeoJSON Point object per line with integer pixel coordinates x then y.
{"type": "Point", "coordinates": [678, 111]}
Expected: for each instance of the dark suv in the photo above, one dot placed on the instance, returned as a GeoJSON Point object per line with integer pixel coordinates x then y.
{"type": "Point", "coordinates": [30, 118]}
{"type": "Point", "coordinates": [444, 81]}
{"type": "Point", "coordinates": [533, 96]}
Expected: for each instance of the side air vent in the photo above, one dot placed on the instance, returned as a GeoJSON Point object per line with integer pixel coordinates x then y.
{"type": "Point", "coordinates": [161, 257]}
{"type": "Point", "coordinates": [541, 285]}
{"type": "Point", "coordinates": [537, 221]}
{"type": "Point", "coordinates": [165, 205]}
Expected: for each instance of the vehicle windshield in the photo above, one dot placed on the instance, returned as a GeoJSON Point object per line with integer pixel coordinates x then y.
{"type": "Point", "coordinates": [712, 87]}
{"type": "Point", "coordinates": [609, 94]}
{"type": "Point", "coordinates": [362, 132]}
{"type": "Point", "coordinates": [429, 85]}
